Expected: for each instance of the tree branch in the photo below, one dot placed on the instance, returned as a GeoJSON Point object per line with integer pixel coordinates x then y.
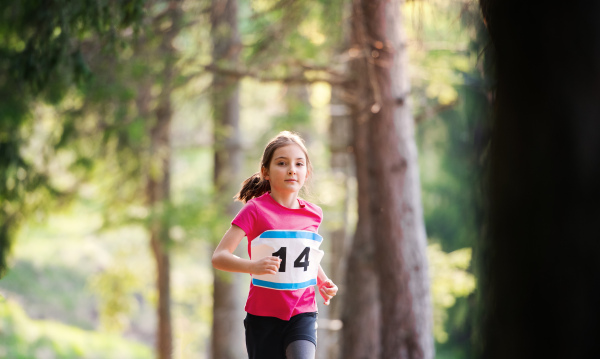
{"type": "Point", "coordinates": [294, 79]}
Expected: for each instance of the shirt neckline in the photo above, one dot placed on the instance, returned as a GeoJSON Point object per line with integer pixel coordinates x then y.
{"type": "Point", "coordinates": [301, 202]}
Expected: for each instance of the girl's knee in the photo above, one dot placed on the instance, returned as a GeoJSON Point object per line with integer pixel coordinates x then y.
{"type": "Point", "coordinates": [301, 349]}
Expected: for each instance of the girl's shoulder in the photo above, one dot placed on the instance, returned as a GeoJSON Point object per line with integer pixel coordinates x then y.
{"type": "Point", "coordinates": [249, 208]}
{"type": "Point", "coordinates": [310, 206]}
{"type": "Point", "coordinates": [257, 201]}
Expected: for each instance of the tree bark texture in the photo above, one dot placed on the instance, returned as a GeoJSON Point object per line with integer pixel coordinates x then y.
{"type": "Point", "coordinates": [410, 206]}
{"type": "Point", "coordinates": [539, 279]}
{"type": "Point", "coordinates": [361, 309]}
{"type": "Point", "coordinates": [387, 174]}
{"type": "Point", "coordinates": [227, 339]}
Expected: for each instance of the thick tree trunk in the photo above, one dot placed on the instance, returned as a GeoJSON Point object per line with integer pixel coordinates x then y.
{"type": "Point", "coordinates": [227, 339]}
{"type": "Point", "coordinates": [410, 209]}
{"type": "Point", "coordinates": [387, 173]}
{"type": "Point", "coordinates": [539, 280]}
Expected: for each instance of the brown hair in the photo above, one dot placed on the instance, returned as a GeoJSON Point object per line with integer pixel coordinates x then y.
{"type": "Point", "coordinates": [256, 185]}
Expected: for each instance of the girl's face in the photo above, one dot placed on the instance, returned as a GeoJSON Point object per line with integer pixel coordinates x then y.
{"type": "Point", "coordinates": [287, 170]}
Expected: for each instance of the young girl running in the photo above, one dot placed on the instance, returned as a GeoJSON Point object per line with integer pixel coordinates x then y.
{"type": "Point", "coordinates": [283, 246]}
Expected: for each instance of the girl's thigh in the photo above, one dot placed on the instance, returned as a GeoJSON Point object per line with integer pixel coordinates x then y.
{"type": "Point", "coordinates": [269, 338]}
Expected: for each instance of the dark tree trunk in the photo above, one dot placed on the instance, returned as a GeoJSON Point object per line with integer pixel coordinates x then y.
{"type": "Point", "coordinates": [539, 281]}
{"type": "Point", "coordinates": [227, 341]}
{"type": "Point", "coordinates": [390, 237]}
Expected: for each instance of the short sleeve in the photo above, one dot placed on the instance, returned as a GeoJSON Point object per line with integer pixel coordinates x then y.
{"type": "Point", "coordinates": [246, 218]}
{"type": "Point", "coordinates": [320, 212]}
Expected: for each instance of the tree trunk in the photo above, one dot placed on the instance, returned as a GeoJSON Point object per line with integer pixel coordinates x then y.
{"type": "Point", "coordinates": [342, 166]}
{"type": "Point", "coordinates": [227, 339]}
{"type": "Point", "coordinates": [410, 209]}
{"type": "Point", "coordinates": [158, 181]}
{"type": "Point", "coordinates": [361, 309]}
{"type": "Point", "coordinates": [539, 278]}
{"type": "Point", "coordinates": [158, 186]}
{"type": "Point", "coordinates": [157, 198]}
{"type": "Point", "coordinates": [388, 183]}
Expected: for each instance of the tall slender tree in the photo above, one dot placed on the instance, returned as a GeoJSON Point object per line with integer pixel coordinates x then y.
{"type": "Point", "coordinates": [227, 337]}
{"type": "Point", "coordinates": [342, 166]}
{"type": "Point", "coordinates": [158, 185]}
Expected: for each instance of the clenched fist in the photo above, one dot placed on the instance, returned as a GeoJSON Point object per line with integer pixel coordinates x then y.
{"type": "Point", "coordinates": [266, 265]}
{"type": "Point", "coordinates": [328, 290]}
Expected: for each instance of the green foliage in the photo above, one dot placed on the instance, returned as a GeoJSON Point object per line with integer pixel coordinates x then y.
{"type": "Point", "coordinates": [115, 288]}
{"type": "Point", "coordinates": [450, 98]}
{"type": "Point", "coordinates": [449, 158]}
{"type": "Point", "coordinates": [27, 338]}
{"type": "Point", "coordinates": [41, 58]}
{"type": "Point", "coordinates": [43, 38]}
{"type": "Point", "coordinates": [66, 268]}
{"type": "Point", "coordinates": [51, 288]}
{"type": "Point", "coordinates": [58, 264]}
{"type": "Point", "coordinates": [291, 38]}
{"type": "Point", "coordinates": [124, 104]}
{"type": "Point", "coordinates": [449, 280]}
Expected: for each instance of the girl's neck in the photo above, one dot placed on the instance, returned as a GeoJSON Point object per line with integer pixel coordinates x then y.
{"type": "Point", "coordinates": [289, 200]}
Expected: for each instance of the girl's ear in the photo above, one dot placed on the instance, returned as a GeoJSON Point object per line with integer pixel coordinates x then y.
{"type": "Point", "coordinates": [265, 172]}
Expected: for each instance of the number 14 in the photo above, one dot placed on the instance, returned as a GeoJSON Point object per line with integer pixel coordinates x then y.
{"type": "Point", "coordinates": [300, 262]}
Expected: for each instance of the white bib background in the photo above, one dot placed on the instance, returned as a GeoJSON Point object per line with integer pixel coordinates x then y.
{"type": "Point", "coordinates": [299, 251]}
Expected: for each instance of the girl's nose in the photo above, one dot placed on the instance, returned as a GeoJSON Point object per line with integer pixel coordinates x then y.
{"type": "Point", "coordinates": [291, 172]}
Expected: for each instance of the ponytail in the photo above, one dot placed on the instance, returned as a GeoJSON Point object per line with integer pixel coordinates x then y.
{"type": "Point", "coordinates": [254, 186]}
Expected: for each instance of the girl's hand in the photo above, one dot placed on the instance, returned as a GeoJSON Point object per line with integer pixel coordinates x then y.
{"type": "Point", "coordinates": [266, 265]}
{"type": "Point", "coordinates": [328, 290]}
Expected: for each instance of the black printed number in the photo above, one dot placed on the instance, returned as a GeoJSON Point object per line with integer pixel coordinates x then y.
{"type": "Point", "coordinates": [300, 262]}
{"type": "Point", "coordinates": [281, 253]}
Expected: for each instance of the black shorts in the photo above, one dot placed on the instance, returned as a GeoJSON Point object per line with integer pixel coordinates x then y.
{"type": "Point", "coordinates": [268, 337]}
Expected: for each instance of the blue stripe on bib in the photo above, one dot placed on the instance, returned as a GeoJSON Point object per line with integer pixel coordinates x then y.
{"type": "Point", "coordinates": [292, 234]}
{"type": "Point", "coordinates": [284, 286]}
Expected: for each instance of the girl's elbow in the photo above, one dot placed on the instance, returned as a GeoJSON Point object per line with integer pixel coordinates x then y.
{"type": "Point", "coordinates": [215, 261]}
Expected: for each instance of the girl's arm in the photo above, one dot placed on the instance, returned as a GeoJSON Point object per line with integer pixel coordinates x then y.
{"type": "Point", "coordinates": [327, 288]}
{"type": "Point", "coordinates": [224, 259]}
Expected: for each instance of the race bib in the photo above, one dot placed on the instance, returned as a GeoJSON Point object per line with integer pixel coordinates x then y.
{"type": "Point", "coordinates": [300, 258]}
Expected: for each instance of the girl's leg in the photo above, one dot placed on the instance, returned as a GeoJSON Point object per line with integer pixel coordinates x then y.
{"type": "Point", "coordinates": [301, 349]}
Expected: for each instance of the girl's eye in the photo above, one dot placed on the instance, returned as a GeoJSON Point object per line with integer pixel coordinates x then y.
{"type": "Point", "coordinates": [281, 163]}
{"type": "Point", "coordinates": [299, 164]}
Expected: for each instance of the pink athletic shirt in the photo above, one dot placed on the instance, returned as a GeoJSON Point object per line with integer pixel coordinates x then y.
{"type": "Point", "coordinates": [262, 214]}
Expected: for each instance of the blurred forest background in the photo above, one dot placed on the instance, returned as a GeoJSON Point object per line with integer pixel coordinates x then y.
{"type": "Point", "coordinates": [120, 157]}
